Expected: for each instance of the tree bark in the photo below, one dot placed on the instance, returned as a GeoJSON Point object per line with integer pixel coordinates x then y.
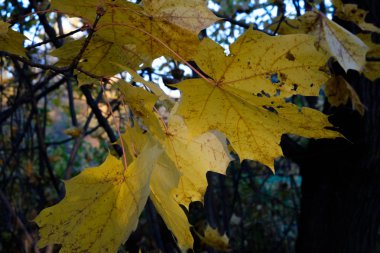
{"type": "Point", "coordinates": [340, 206]}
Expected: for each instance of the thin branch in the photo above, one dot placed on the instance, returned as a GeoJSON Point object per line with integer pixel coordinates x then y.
{"type": "Point", "coordinates": [279, 24]}
{"type": "Point", "coordinates": [36, 65]}
{"type": "Point", "coordinates": [75, 62]}
{"type": "Point", "coordinates": [7, 206]}
{"type": "Point", "coordinates": [26, 98]}
{"type": "Point", "coordinates": [70, 95]}
{"type": "Point", "coordinates": [58, 37]}
{"type": "Point", "coordinates": [78, 141]}
{"type": "Point", "coordinates": [50, 31]}
{"type": "Point", "coordinates": [101, 119]}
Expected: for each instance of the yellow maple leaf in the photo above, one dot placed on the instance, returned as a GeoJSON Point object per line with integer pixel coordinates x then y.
{"type": "Point", "coordinates": [339, 92]}
{"type": "Point", "coordinates": [98, 55]}
{"type": "Point", "coordinates": [11, 41]}
{"type": "Point", "coordinates": [244, 98]}
{"type": "Point", "coordinates": [191, 156]}
{"type": "Point", "coordinates": [149, 85]}
{"type": "Point", "coordinates": [101, 206]}
{"type": "Point", "coordinates": [372, 67]}
{"type": "Point", "coordinates": [194, 157]}
{"type": "Point", "coordinates": [154, 28]}
{"type": "Point", "coordinates": [351, 12]}
{"type": "Point", "coordinates": [165, 178]}
{"type": "Point", "coordinates": [180, 173]}
{"type": "Point", "coordinates": [191, 15]}
{"type": "Point", "coordinates": [142, 104]}
{"type": "Point", "coordinates": [331, 38]}
{"type": "Point", "coordinates": [214, 239]}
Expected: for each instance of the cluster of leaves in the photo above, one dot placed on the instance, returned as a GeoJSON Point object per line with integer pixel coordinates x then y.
{"type": "Point", "coordinates": [241, 97]}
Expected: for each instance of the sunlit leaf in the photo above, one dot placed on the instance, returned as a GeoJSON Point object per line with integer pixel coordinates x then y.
{"type": "Point", "coordinates": [11, 41]}
{"type": "Point", "coordinates": [152, 27]}
{"type": "Point", "coordinates": [101, 206]}
{"type": "Point", "coordinates": [330, 38]}
{"type": "Point", "coordinates": [244, 97]}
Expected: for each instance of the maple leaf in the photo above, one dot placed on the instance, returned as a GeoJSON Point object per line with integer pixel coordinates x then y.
{"type": "Point", "coordinates": [180, 173]}
{"type": "Point", "coordinates": [191, 15]}
{"type": "Point", "coordinates": [154, 28]}
{"type": "Point", "coordinates": [147, 84]}
{"type": "Point", "coordinates": [372, 68]}
{"type": "Point", "coordinates": [194, 157]}
{"type": "Point", "coordinates": [245, 96]}
{"type": "Point", "coordinates": [98, 55]}
{"type": "Point", "coordinates": [165, 178]}
{"type": "Point", "coordinates": [331, 38]}
{"type": "Point", "coordinates": [11, 41]}
{"type": "Point", "coordinates": [214, 239]}
{"type": "Point", "coordinates": [351, 12]}
{"type": "Point", "coordinates": [141, 103]}
{"type": "Point", "coordinates": [339, 92]}
{"type": "Point", "coordinates": [101, 206]}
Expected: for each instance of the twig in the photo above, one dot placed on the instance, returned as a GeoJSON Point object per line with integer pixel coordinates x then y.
{"type": "Point", "coordinates": [279, 24]}
{"type": "Point", "coordinates": [78, 141]}
{"type": "Point", "coordinates": [70, 96]}
{"type": "Point", "coordinates": [100, 12]}
{"type": "Point", "coordinates": [16, 148]}
{"type": "Point", "coordinates": [45, 23]}
{"type": "Point", "coordinates": [58, 37]}
{"type": "Point", "coordinates": [99, 116]}
{"type": "Point", "coordinates": [36, 65]}
{"type": "Point", "coordinates": [26, 98]}
{"type": "Point", "coordinates": [6, 205]}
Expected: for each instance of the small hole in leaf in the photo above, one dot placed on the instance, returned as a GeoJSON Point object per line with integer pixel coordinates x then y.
{"type": "Point", "coordinates": [274, 79]}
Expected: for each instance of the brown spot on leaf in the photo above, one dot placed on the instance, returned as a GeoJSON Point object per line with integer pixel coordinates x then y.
{"type": "Point", "coordinates": [290, 56]}
{"type": "Point", "coordinates": [283, 77]}
{"type": "Point", "coordinates": [270, 108]}
{"type": "Point", "coordinates": [265, 94]}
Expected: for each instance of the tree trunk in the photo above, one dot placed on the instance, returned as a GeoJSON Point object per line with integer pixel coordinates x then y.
{"type": "Point", "coordinates": [340, 206]}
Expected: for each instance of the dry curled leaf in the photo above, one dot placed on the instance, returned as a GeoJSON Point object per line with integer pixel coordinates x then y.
{"type": "Point", "coordinates": [339, 92]}
{"type": "Point", "coordinates": [351, 12]}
